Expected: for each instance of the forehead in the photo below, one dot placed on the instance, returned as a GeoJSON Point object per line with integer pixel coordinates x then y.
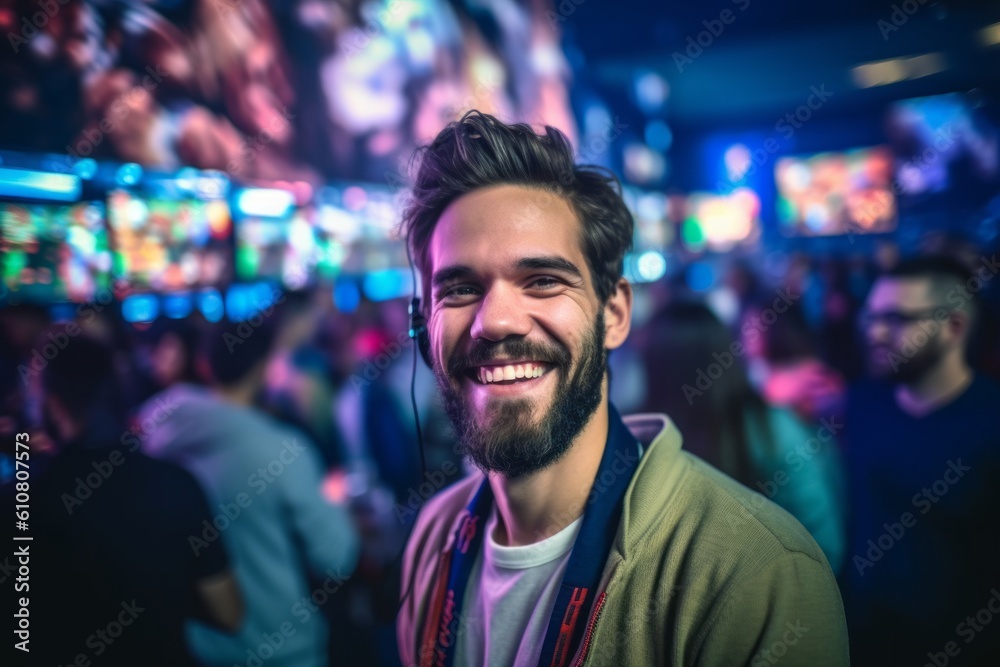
{"type": "Point", "coordinates": [493, 227]}
{"type": "Point", "coordinates": [901, 292]}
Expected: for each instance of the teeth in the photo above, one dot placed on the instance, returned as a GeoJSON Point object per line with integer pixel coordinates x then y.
{"type": "Point", "coordinates": [510, 372]}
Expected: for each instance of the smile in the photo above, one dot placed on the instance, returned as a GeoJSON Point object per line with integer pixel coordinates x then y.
{"type": "Point", "coordinates": [510, 373]}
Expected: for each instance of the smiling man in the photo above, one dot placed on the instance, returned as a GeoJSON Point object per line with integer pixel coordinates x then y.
{"type": "Point", "coordinates": [583, 538]}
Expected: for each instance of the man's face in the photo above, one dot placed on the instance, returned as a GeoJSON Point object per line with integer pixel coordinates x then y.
{"type": "Point", "coordinates": [517, 334]}
{"type": "Point", "coordinates": [904, 339]}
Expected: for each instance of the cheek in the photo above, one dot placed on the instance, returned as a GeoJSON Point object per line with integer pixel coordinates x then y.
{"type": "Point", "coordinates": [446, 328]}
{"type": "Point", "coordinates": [568, 326]}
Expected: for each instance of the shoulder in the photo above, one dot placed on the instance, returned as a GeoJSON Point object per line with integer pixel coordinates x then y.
{"type": "Point", "coordinates": [434, 525]}
{"type": "Point", "coordinates": [714, 509]}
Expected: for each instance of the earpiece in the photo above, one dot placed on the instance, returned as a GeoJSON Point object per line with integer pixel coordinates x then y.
{"type": "Point", "coordinates": [418, 330]}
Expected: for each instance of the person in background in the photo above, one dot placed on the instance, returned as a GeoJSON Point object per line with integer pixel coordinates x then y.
{"type": "Point", "coordinates": [923, 450]}
{"type": "Point", "coordinates": [264, 482]}
{"type": "Point", "coordinates": [297, 387]}
{"type": "Point", "coordinates": [167, 351]}
{"type": "Point", "coordinates": [725, 422]}
{"type": "Point", "coordinates": [111, 529]}
{"type": "Point", "coordinates": [786, 368]}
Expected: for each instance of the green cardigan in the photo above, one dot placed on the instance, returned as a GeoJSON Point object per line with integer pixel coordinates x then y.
{"type": "Point", "coordinates": [703, 572]}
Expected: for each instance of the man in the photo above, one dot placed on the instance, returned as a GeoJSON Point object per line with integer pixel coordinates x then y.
{"type": "Point", "coordinates": [585, 538]}
{"type": "Point", "coordinates": [264, 482]}
{"type": "Point", "coordinates": [113, 578]}
{"type": "Point", "coordinates": [923, 452]}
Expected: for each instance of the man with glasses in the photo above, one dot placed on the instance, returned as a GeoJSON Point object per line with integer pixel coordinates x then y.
{"type": "Point", "coordinates": [923, 451]}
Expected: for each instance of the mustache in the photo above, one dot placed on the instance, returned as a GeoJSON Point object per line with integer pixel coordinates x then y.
{"type": "Point", "coordinates": [485, 351]}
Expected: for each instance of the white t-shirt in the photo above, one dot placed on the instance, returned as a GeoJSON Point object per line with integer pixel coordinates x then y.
{"type": "Point", "coordinates": [509, 598]}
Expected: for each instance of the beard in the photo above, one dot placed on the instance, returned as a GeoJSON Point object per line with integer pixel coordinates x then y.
{"type": "Point", "coordinates": [507, 439]}
{"type": "Point", "coordinates": [893, 365]}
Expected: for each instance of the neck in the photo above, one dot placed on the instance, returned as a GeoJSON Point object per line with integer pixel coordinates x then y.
{"type": "Point", "coordinates": [539, 505]}
{"type": "Point", "coordinates": [939, 387]}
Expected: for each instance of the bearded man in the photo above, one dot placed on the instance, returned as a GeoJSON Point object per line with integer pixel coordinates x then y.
{"type": "Point", "coordinates": [923, 452]}
{"type": "Point", "coordinates": [583, 538]}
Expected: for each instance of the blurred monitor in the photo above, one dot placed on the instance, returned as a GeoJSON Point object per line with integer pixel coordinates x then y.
{"type": "Point", "coordinates": [279, 241]}
{"type": "Point", "coordinates": [721, 222]}
{"type": "Point", "coordinates": [943, 143]}
{"type": "Point", "coordinates": [361, 219]}
{"type": "Point", "coordinates": [169, 244]}
{"type": "Point", "coordinates": [830, 194]}
{"type": "Point", "coordinates": [651, 212]}
{"type": "Point", "coordinates": [53, 252]}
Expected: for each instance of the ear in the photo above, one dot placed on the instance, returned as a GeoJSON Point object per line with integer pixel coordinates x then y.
{"type": "Point", "coordinates": [960, 325]}
{"type": "Point", "coordinates": [618, 315]}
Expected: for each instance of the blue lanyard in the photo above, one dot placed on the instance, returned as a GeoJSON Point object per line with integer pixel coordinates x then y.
{"type": "Point", "coordinates": [583, 571]}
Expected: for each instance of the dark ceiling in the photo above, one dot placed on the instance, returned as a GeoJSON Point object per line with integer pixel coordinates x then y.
{"type": "Point", "coordinates": [766, 59]}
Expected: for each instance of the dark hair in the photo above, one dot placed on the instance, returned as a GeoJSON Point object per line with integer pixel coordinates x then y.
{"type": "Point", "coordinates": [83, 376]}
{"type": "Point", "coordinates": [478, 151]}
{"type": "Point", "coordinates": [948, 278]}
{"type": "Point", "coordinates": [788, 338]}
{"type": "Point", "coordinates": [941, 269]}
{"type": "Point", "coordinates": [187, 332]}
{"type": "Point", "coordinates": [233, 349]}
{"type": "Point", "coordinates": [682, 342]}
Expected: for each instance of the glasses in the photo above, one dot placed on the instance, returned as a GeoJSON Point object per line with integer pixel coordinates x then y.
{"type": "Point", "coordinates": [895, 319]}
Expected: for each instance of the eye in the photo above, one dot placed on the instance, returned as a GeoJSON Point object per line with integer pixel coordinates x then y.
{"type": "Point", "coordinates": [543, 282]}
{"type": "Point", "coordinates": [457, 293]}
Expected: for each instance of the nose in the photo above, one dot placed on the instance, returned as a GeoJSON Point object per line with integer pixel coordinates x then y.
{"type": "Point", "coordinates": [877, 332]}
{"type": "Point", "coordinates": [501, 314]}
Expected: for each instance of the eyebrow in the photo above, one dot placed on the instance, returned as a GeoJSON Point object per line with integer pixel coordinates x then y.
{"type": "Point", "coordinates": [541, 262]}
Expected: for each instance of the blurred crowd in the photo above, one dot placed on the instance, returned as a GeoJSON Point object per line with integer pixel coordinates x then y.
{"type": "Point", "coordinates": [251, 484]}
